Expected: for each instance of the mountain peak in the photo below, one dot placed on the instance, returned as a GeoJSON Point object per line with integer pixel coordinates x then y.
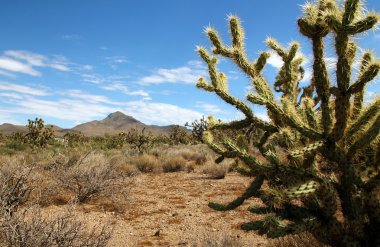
{"type": "Point", "coordinates": [119, 116]}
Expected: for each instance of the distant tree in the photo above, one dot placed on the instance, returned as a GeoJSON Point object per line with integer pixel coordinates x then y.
{"type": "Point", "coordinates": [197, 128]}
{"type": "Point", "coordinates": [39, 135]}
{"type": "Point", "coordinates": [178, 135]}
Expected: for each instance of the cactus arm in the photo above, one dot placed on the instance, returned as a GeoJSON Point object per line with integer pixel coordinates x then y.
{"type": "Point", "coordinates": [364, 119]}
{"type": "Point", "coordinates": [322, 82]}
{"type": "Point", "coordinates": [345, 50]}
{"type": "Point", "coordinates": [302, 190]}
{"type": "Point", "coordinates": [307, 149]}
{"type": "Point", "coordinates": [238, 56]}
{"type": "Point", "coordinates": [308, 105]}
{"type": "Point", "coordinates": [289, 119]}
{"type": "Point", "coordinates": [366, 76]}
{"type": "Point", "coordinates": [362, 25]}
{"type": "Point", "coordinates": [251, 191]}
{"type": "Point", "coordinates": [359, 96]}
{"type": "Point", "coordinates": [366, 138]}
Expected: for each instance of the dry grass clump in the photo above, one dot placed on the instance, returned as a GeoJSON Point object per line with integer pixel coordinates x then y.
{"type": "Point", "coordinates": [92, 175]}
{"type": "Point", "coordinates": [30, 228]}
{"type": "Point", "coordinates": [300, 240]}
{"type": "Point", "coordinates": [216, 171]}
{"type": "Point", "coordinates": [14, 185]}
{"type": "Point", "coordinates": [173, 164]}
{"type": "Point", "coordinates": [223, 239]}
{"type": "Point", "coordinates": [146, 163]}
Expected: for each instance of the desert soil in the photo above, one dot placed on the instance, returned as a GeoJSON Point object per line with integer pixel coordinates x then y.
{"type": "Point", "coordinates": [175, 204]}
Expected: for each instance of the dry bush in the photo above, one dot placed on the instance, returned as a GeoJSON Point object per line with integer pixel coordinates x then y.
{"type": "Point", "coordinates": [216, 171]}
{"type": "Point", "coordinates": [29, 228]}
{"type": "Point", "coordinates": [223, 239]}
{"type": "Point", "coordinates": [196, 153]}
{"type": "Point", "coordinates": [92, 176]}
{"type": "Point", "coordinates": [173, 164]}
{"type": "Point", "coordinates": [14, 185]}
{"type": "Point", "coordinates": [300, 240]}
{"type": "Point", "coordinates": [146, 163]}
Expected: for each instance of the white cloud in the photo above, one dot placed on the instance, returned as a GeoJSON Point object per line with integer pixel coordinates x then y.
{"type": "Point", "coordinates": [208, 108]}
{"type": "Point", "coordinates": [87, 67]}
{"type": "Point", "coordinates": [124, 89]}
{"type": "Point", "coordinates": [24, 62]}
{"type": "Point", "coordinates": [115, 61]}
{"type": "Point", "coordinates": [182, 75]}
{"type": "Point", "coordinates": [160, 113]}
{"type": "Point", "coordinates": [6, 86]}
{"type": "Point", "coordinates": [99, 79]}
{"type": "Point", "coordinates": [275, 60]}
{"type": "Point", "coordinates": [104, 48]}
{"type": "Point", "coordinates": [16, 66]}
{"type": "Point", "coordinates": [7, 74]}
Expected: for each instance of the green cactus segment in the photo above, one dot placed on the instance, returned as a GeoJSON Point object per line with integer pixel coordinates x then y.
{"type": "Point", "coordinates": [302, 190]}
{"type": "Point", "coordinates": [306, 150]}
{"type": "Point", "coordinates": [320, 149]}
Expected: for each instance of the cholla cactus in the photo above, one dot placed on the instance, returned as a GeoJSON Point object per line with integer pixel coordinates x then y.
{"type": "Point", "coordinates": [39, 135]}
{"type": "Point", "coordinates": [178, 135]}
{"type": "Point", "coordinates": [197, 128]}
{"type": "Point", "coordinates": [321, 146]}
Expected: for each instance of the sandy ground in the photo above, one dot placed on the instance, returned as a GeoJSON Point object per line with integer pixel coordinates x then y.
{"type": "Point", "coordinates": [175, 204]}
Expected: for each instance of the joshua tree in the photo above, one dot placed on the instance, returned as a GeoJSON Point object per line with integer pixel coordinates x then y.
{"type": "Point", "coordinates": [321, 146]}
{"type": "Point", "coordinates": [39, 135]}
{"type": "Point", "coordinates": [178, 135]}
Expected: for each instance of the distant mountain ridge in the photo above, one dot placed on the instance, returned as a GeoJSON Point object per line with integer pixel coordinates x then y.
{"type": "Point", "coordinates": [114, 123]}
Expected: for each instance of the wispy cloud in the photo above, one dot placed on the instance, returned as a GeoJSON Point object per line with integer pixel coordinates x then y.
{"type": "Point", "coordinates": [124, 89]}
{"type": "Point", "coordinates": [6, 86]}
{"type": "Point", "coordinates": [208, 108]}
{"type": "Point", "coordinates": [115, 61]}
{"type": "Point", "coordinates": [18, 67]}
{"type": "Point", "coordinates": [71, 37]}
{"type": "Point", "coordinates": [183, 75]}
{"type": "Point", "coordinates": [25, 62]}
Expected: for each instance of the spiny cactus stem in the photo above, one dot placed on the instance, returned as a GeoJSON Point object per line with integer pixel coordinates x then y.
{"type": "Point", "coordinates": [321, 81]}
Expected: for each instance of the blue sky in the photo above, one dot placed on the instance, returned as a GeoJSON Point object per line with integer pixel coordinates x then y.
{"type": "Point", "coordinates": [72, 61]}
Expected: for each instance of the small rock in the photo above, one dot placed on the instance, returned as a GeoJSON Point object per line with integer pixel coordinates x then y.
{"type": "Point", "coordinates": [175, 214]}
{"type": "Point", "coordinates": [157, 234]}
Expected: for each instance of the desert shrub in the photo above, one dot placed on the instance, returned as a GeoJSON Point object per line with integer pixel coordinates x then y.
{"type": "Point", "coordinates": [300, 240]}
{"type": "Point", "coordinates": [173, 164]}
{"type": "Point", "coordinates": [15, 145]}
{"type": "Point", "coordinates": [14, 187]}
{"type": "Point", "coordinates": [328, 183]}
{"type": "Point", "coordinates": [74, 138]}
{"type": "Point", "coordinates": [179, 135]}
{"type": "Point", "coordinates": [91, 176]}
{"type": "Point", "coordinates": [30, 228]}
{"type": "Point", "coordinates": [140, 140]}
{"type": "Point", "coordinates": [146, 163]}
{"type": "Point", "coordinates": [223, 239]}
{"type": "Point", "coordinates": [216, 171]}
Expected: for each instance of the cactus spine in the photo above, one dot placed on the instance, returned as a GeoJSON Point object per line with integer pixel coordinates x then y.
{"type": "Point", "coordinates": [329, 183]}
